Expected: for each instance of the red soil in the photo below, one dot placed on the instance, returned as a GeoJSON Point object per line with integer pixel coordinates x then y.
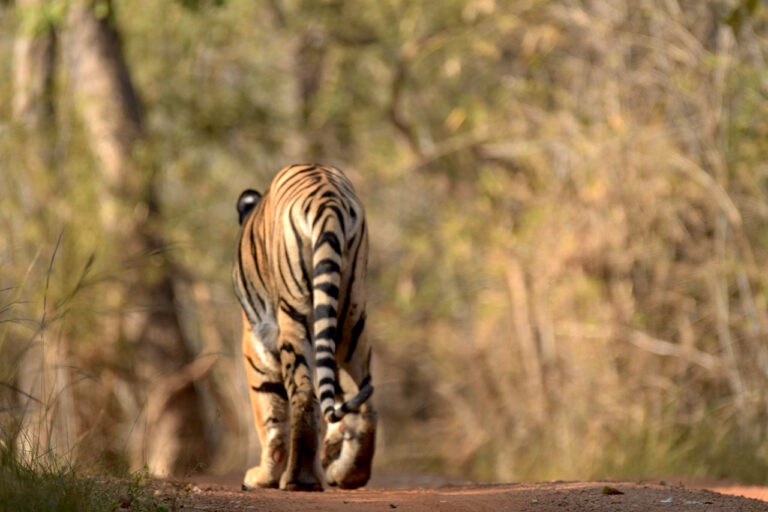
{"type": "Point", "coordinates": [223, 493]}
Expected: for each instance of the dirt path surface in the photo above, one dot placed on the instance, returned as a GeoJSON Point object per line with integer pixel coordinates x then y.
{"type": "Point", "coordinates": [208, 495]}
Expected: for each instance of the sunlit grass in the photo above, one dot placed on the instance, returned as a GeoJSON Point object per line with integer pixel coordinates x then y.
{"type": "Point", "coordinates": [47, 485]}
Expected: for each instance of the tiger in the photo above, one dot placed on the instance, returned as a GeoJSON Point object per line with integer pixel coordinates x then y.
{"type": "Point", "coordinates": [299, 275]}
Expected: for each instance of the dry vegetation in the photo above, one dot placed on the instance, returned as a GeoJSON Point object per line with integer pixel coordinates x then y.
{"type": "Point", "coordinates": [568, 202]}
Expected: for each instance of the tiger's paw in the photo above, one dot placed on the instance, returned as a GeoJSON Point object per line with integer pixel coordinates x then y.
{"type": "Point", "coordinates": [257, 477]}
{"type": "Point", "coordinates": [303, 481]}
{"type": "Point", "coordinates": [347, 476]}
{"type": "Point", "coordinates": [331, 449]}
{"type": "Point", "coordinates": [303, 487]}
{"type": "Point", "coordinates": [348, 454]}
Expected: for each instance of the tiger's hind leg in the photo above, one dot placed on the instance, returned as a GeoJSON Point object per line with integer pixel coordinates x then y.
{"type": "Point", "coordinates": [348, 447]}
{"type": "Point", "coordinates": [302, 471]}
{"type": "Point", "coordinates": [269, 401]}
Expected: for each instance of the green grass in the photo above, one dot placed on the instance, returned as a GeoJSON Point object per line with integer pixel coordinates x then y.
{"type": "Point", "coordinates": [45, 485]}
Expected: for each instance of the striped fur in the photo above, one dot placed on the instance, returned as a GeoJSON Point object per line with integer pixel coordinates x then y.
{"type": "Point", "coordinates": [299, 276]}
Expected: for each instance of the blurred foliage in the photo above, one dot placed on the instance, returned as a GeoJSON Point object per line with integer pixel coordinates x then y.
{"type": "Point", "coordinates": [567, 203]}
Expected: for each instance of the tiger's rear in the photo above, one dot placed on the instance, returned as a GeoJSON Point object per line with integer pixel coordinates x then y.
{"type": "Point", "coordinates": [300, 278]}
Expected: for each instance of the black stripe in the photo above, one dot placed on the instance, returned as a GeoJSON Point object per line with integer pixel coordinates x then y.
{"type": "Point", "coordinates": [308, 196]}
{"type": "Point", "coordinates": [253, 365]}
{"type": "Point", "coordinates": [327, 394]}
{"type": "Point", "coordinates": [329, 289]}
{"type": "Point", "coordinates": [361, 234]}
{"type": "Point", "coordinates": [287, 261]}
{"type": "Point", "coordinates": [326, 266]}
{"type": "Point", "coordinates": [329, 238]}
{"type": "Point", "coordinates": [347, 186]}
{"type": "Point", "coordinates": [307, 204]}
{"type": "Point", "coordinates": [357, 330]}
{"type": "Point", "coordinates": [330, 193]}
{"type": "Point", "coordinates": [324, 349]}
{"type": "Point", "coordinates": [324, 311]}
{"type": "Point", "coordinates": [301, 361]}
{"type": "Point", "coordinates": [298, 176]}
{"type": "Point", "coordinates": [244, 282]}
{"type": "Point", "coordinates": [263, 247]}
{"type": "Point", "coordinates": [297, 181]}
{"type": "Point", "coordinates": [291, 311]}
{"type": "Point", "coordinates": [300, 246]}
{"type": "Point", "coordinates": [348, 294]}
{"type": "Point", "coordinates": [324, 226]}
{"type": "Point", "coordinates": [272, 387]}
{"type": "Point", "coordinates": [329, 333]}
{"type": "Point", "coordinates": [326, 381]}
{"type": "Point", "coordinates": [339, 215]}
{"type": "Point", "coordinates": [256, 266]}
{"type": "Point", "coordinates": [319, 214]}
{"type": "Point", "coordinates": [326, 362]}
{"type": "Point", "coordinates": [241, 288]}
{"type": "Point", "coordinates": [308, 168]}
{"type": "Point", "coordinates": [283, 280]}
{"type": "Point", "coordinates": [296, 316]}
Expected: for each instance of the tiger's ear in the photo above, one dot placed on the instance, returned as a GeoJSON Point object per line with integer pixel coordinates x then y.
{"type": "Point", "coordinates": [246, 202]}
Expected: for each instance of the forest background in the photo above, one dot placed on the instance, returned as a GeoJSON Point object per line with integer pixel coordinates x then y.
{"type": "Point", "coordinates": [567, 200]}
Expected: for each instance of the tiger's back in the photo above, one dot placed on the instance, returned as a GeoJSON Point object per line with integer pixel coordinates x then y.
{"type": "Point", "coordinates": [300, 278]}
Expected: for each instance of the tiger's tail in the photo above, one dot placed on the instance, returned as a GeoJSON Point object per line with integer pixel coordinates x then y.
{"type": "Point", "coordinates": [327, 245]}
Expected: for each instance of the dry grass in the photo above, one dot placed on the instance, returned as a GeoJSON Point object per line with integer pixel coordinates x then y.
{"type": "Point", "coordinates": [35, 486]}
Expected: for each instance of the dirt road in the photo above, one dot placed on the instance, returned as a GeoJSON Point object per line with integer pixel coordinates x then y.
{"type": "Point", "coordinates": [212, 494]}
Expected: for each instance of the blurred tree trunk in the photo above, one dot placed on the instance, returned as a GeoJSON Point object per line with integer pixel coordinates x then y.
{"type": "Point", "coordinates": [34, 59]}
{"type": "Point", "coordinates": [171, 437]}
{"type": "Point", "coordinates": [310, 65]}
{"type": "Point", "coordinates": [48, 419]}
